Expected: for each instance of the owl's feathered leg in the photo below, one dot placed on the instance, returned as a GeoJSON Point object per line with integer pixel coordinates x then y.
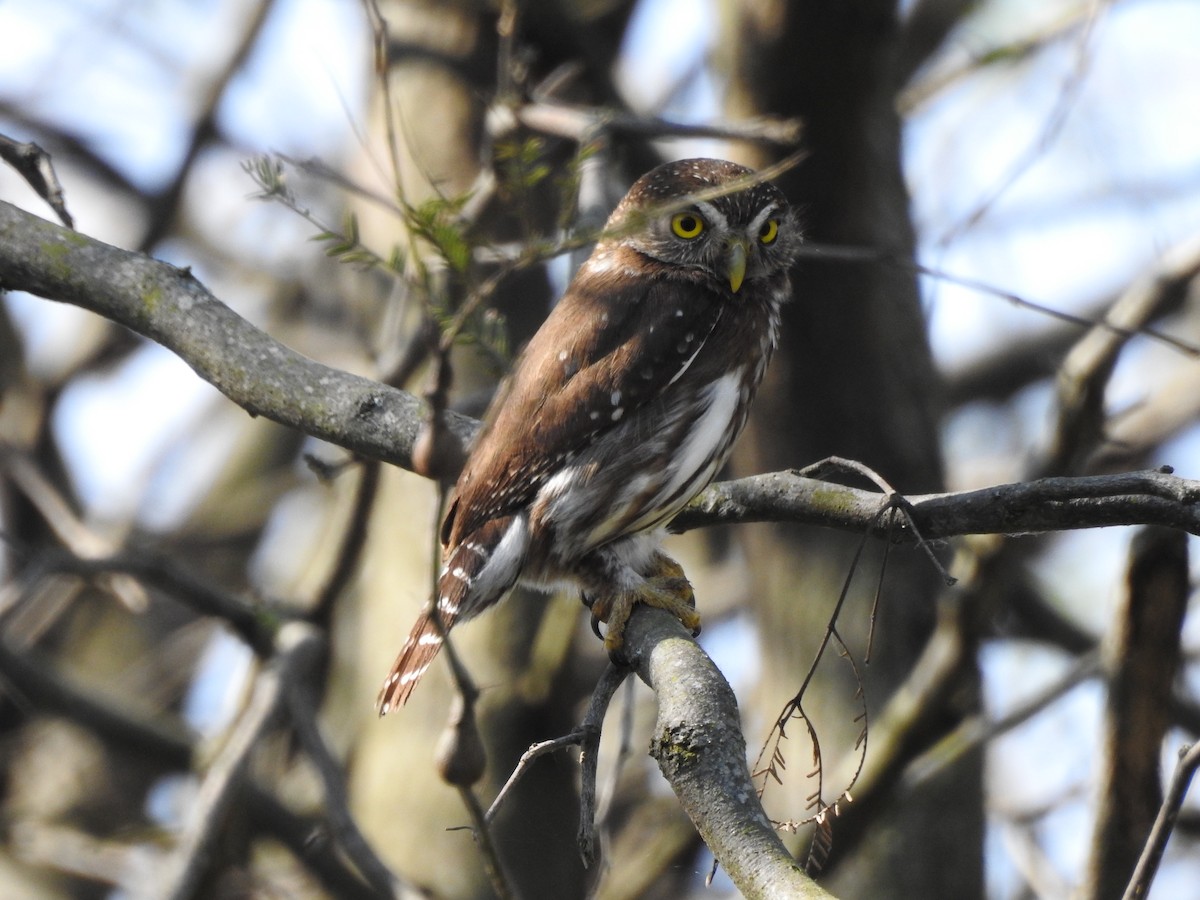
{"type": "Point", "coordinates": [664, 586]}
{"type": "Point", "coordinates": [478, 572]}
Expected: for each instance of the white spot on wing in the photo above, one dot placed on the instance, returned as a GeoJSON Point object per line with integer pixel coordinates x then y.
{"type": "Point", "coordinates": [600, 263]}
{"type": "Point", "coordinates": [560, 482]}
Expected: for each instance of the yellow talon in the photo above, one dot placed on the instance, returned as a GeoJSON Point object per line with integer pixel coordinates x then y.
{"type": "Point", "coordinates": [666, 587]}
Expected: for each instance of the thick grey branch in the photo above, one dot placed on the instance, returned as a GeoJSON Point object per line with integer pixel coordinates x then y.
{"type": "Point", "coordinates": [244, 363]}
{"type": "Point", "coordinates": [1047, 504]}
{"type": "Point", "coordinates": [700, 749]}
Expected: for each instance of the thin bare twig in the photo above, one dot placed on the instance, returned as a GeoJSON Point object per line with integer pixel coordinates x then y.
{"type": "Point", "coordinates": [1085, 372]}
{"type": "Point", "coordinates": [579, 123]}
{"type": "Point", "coordinates": [487, 850]}
{"type": "Point", "coordinates": [1067, 95]}
{"type": "Point", "coordinates": [589, 758]}
{"type": "Point", "coordinates": [33, 164]}
{"type": "Point", "coordinates": [896, 501]}
{"type": "Point", "coordinates": [587, 736]}
{"type": "Point", "coordinates": [257, 626]}
{"type": "Point", "coordinates": [77, 536]}
{"type": "Point", "coordinates": [301, 704]}
{"type": "Point", "coordinates": [189, 860]}
{"type": "Point", "coordinates": [1164, 823]}
{"type": "Point", "coordinates": [976, 731]}
{"type": "Point", "coordinates": [1144, 654]}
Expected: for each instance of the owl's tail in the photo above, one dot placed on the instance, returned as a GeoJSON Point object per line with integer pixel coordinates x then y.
{"type": "Point", "coordinates": [478, 572]}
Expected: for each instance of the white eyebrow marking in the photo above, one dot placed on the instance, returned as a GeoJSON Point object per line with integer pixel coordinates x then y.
{"type": "Point", "coordinates": [756, 223]}
{"type": "Point", "coordinates": [714, 216]}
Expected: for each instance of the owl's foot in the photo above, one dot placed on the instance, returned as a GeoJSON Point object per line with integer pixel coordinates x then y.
{"type": "Point", "coordinates": [665, 587]}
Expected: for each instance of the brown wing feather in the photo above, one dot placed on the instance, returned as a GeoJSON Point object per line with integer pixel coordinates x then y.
{"type": "Point", "coordinates": [609, 346]}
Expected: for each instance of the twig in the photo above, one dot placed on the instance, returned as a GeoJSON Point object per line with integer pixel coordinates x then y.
{"type": "Point", "coordinates": [75, 534]}
{"type": "Point", "coordinates": [606, 795]}
{"type": "Point", "coordinates": [589, 758]}
{"type": "Point", "coordinates": [1067, 95]}
{"type": "Point", "coordinates": [33, 164]}
{"type": "Point", "coordinates": [528, 758]}
{"type": "Point", "coordinates": [189, 861]}
{"type": "Point", "coordinates": [851, 254]}
{"type": "Point", "coordinates": [771, 760]}
{"type": "Point", "coordinates": [1144, 651]}
{"type": "Point", "coordinates": [487, 850]}
{"type": "Point", "coordinates": [895, 501]}
{"type": "Point", "coordinates": [1185, 347]}
{"type": "Point", "coordinates": [587, 736]}
{"type": "Point", "coordinates": [1085, 372]}
{"type": "Point", "coordinates": [580, 123]}
{"type": "Point", "coordinates": [255, 625]}
{"type": "Point", "coordinates": [939, 80]}
{"type": "Point", "coordinates": [353, 539]}
{"type": "Point", "coordinates": [163, 207]}
{"type": "Point", "coordinates": [33, 679]}
{"type": "Point", "coordinates": [302, 706]}
{"type": "Point", "coordinates": [1164, 823]}
{"type": "Point", "coordinates": [976, 731]}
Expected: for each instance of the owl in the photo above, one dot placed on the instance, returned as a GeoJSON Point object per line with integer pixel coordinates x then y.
{"type": "Point", "coordinates": [622, 407]}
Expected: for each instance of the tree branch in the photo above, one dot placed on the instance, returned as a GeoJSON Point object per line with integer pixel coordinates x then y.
{"type": "Point", "coordinates": [699, 747]}
{"type": "Point", "coordinates": [1047, 504]}
{"type": "Point", "coordinates": [169, 306]}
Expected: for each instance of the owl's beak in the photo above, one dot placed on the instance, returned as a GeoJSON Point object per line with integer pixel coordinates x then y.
{"type": "Point", "coordinates": [735, 263]}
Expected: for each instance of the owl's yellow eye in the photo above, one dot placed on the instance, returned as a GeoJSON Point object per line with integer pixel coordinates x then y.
{"type": "Point", "coordinates": [687, 225]}
{"type": "Point", "coordinates": [769, 231]}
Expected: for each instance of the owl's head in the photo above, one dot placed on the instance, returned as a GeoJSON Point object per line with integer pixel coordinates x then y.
{"type": "Point", "coordinates": [678, 215]}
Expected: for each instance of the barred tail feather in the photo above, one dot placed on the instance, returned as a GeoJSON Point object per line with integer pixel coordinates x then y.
{"type": "Point", "coordinates": [423, 644]}
{"type": "Point", "coordinates": [478, 572]}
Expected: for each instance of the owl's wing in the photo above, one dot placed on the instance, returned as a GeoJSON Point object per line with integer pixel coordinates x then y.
{"type": "Point", "coordinates": [611, 345]}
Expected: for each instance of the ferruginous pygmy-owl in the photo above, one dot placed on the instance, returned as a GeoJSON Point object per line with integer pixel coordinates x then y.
{"type": "Point", "coordinates": [621, 409]}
